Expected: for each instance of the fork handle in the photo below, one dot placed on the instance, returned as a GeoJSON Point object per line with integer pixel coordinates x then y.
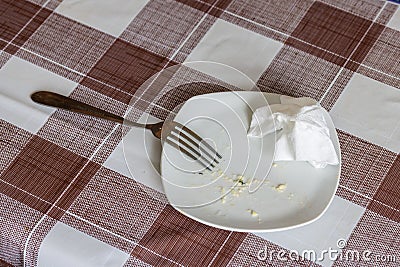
{"type": "Point", "coordinates": [59, 101]}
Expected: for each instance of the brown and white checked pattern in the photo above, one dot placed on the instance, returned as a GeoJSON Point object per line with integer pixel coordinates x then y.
{"type": "Point", "coordinates": [20, 222]}
{"type": "Point", "coordinates": [386, 13]}
{"type": "Point", "coordinates": [80, 134]}
{"type": "Point", "coordinates": [352, 196]}
{"type": "Point", "coordinates": [69, 43]}
{"type": "Point", "coordinates": [282, 16]}
{"type": "Point", "coordinates": [386, 201]}
{"type": "Point", "coordinates": [57, 171]}
{"type": "Point", "coordinates": [115, 210]}
{"type": "Point", "coordinates": [184, 241]}
{"type": "Point", "coordinates": [13, 141]}
{"type": "Point", "coordinates": [173, 87]}
{"type": "Point", "coordinates": [384, 54]}
{"type": "Point", "coordinates": [161, 27]}
{"type": "Point", "coordinates": [377, 234]}
{"type": "Point", "coordinates": [248, 252]}
{"type": "Point", "coordinates": [364, 165]}
{"type": "Point", "coordinates": [365, 8]}
{"type": "Point", "coordinates": [4, 57]}
{"type": "Point", "coordinates": [297, 73]}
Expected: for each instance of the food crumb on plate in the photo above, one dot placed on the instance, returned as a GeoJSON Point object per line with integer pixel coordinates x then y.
{"type": "Point", "coordinates": [223, 200]}
{"type": "Point", "coordinates": [253, 213]}
{"type": "Point", "coordinates": [280, 187]}
{"type": "Point", "coordinates": [274, 165]}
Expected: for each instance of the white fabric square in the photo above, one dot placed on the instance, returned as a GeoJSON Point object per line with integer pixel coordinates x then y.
{"type": "Point", "coordinates": [65, 246]}
{"type": "Point", "coordinates": [111, 17]}
{"type": "Point", "coordinates": [394, 22]}
{"type": "Point", "coordinates": [143, 151]}
{"type": "Point", "coordinates": [229, 44]}
{"type": "Point", "coordinates": [19, 79]}
{"type": "Point", "coordinates": [370, 110]}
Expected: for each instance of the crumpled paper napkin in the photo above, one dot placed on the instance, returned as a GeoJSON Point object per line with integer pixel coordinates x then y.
{"type": "Point", "coordinates": [302, 133]}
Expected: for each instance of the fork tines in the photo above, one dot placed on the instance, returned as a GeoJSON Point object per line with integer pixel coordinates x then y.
{"type": "Point", "coordinates": [192, 145]}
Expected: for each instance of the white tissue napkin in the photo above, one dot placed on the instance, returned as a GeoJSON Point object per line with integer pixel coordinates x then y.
{"type": "Point", "coordinates": [302, 132]}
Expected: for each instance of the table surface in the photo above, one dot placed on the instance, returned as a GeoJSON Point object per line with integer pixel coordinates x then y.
{"type": "Point", "coordinates": [67, 195]}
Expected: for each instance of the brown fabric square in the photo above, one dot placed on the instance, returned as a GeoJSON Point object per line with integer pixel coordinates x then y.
{"type": "Point", "coordinates": [69, 43]}
{"type": "Point", "coordinates": [385, 54]}
{"type": "Point", "coordinates": [33, 25]}
{"type": "Point", "coordinates": [12, 141]}
{"type": "Point", "coordinates": [77, 185]}
{"type": "Point", "coordinates": [11, 49]}
{"type": "Point", "coordinates": [222, 4]}
{"type": "Point", "coordinates": [162, 27]}
{"type": "Point", "coordinates": [276, 14]}
{"type": "Point", "coordinates": [2, 45]}
{"type": "Point", "coordinates": [17, 221]}
{"type": "Point", "coordinates": [297, 73]}
{"type": "Point", "coordinates": [229, 249]}
{"type": "Point", "coordinates": [203, 6]}
{"type": "Point", "coordinates": [315, 51]}
{"type": "Point", "coordinates": [40, 173]}
{"type": "Point", "coordinates": [124, 67]}
{"type": "Point", "coordinates": [122, 206]}
{"type": "Point", "coordinates": [366, 43]}
{"type": "Point", "coordinates": [368, 9]}
{"type": "Point", "coordinates": [213, 7]}
{"type": "Point", "coordinates": [180, 239]}
{"type": "Point", "coordinates": [384, 210]}
{"type": "Point", "coordinates": [364, 165]}
{"type": "Point", "coordinates": [388, 192]}
{"type": "Point", "coordinates": [3, 263]}
{"type": "Point", "coordinates": [332, 29]}
{"type": "Point", "coordinates": [14, 15]}
{"type": "Point", "coordinates": [78, 133]}
{"type": "Point", "coordinates": [377, 234]}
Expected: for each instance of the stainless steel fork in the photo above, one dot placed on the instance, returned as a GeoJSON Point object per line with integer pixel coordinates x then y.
{"type": "Point", "coordinates": [173, 133]}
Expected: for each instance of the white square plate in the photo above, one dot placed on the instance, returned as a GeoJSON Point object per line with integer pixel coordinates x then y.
{"type": "Point", "coordinates": [213, 197]}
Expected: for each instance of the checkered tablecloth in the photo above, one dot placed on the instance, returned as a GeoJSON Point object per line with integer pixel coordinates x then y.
{"type": "Point", "coordinates": [67, 197]}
